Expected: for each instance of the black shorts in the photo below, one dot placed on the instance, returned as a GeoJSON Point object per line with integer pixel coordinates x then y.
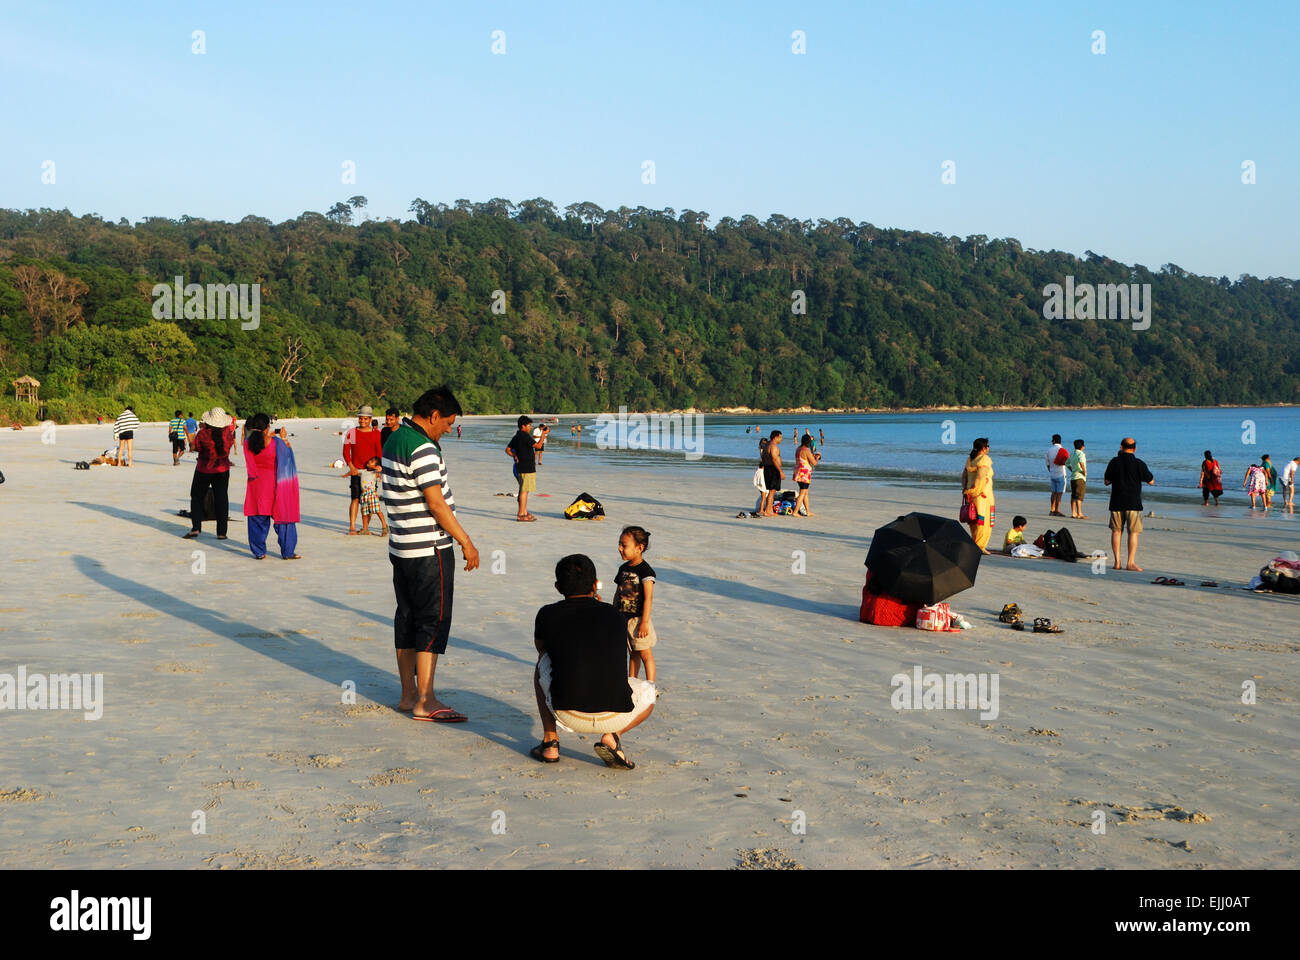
{"type": "Point", "coordinates": [772, 478]}
{"type": "Point", "coordinates": [423, 586]}
{"type": "Point", "coordinates": [126, 435]}
{"type": "Point", "coordinates": [802, 485]}
{"type": "Point", "coordinates": [356, 486]}
{"type": "Point", "coordinates": [178, 443]}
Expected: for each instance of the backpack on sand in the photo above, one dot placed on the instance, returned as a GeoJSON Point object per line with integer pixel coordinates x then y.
{"type": "Point", "coordinates": [585, 507]}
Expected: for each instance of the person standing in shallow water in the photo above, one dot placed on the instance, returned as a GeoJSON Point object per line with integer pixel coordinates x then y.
{"type": "Point", "coordinates": [977, 489]}
{"type": "Point", "coordinates": [1211, 480]}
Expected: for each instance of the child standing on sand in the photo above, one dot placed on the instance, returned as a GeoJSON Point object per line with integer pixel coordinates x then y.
{"type": "Point", "coordinates": [370, 507]}
{"type": "Point", "coordinates": [633, 597]}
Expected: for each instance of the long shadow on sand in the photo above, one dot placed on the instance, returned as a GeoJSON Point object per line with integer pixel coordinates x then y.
{"type": "Point", "coordinates": [388, 622]}
{"type": "Point", "coordinates": [733, 590]}
{"type": "Point", "coordinates": [173, 526]}
{"type": "Point", "coordinates": [295, 650]}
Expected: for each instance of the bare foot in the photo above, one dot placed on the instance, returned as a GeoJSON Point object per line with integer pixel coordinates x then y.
{"type": "Point", "coordinates": [406, 706]}
{"type": "Point", "coordinates": [351, 532]}
{"type": "Point", "coordinates": [1134, 567]}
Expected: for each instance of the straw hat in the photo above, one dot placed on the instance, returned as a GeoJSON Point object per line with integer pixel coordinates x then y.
{"type": "Point", "coordinates": [216, 417]}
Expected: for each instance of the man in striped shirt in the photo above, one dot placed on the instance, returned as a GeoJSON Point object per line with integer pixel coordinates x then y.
{"type": "Point", "coordinates": [422, 525]}
{"type": "Point", "coordinates": [124, 433]}
{"type": "Point", "coordinates": [176, 434]}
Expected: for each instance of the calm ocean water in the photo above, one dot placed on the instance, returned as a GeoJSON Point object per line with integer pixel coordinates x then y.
{"type": "Point", "coordinates": [910, 448]}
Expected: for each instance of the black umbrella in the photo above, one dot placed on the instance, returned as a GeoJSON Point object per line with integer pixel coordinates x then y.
{"type": "Point", "coordinates": [921, 558]}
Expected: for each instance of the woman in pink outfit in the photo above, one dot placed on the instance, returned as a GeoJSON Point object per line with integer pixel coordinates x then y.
{"type": "Point", "coordinates": [272, 494]}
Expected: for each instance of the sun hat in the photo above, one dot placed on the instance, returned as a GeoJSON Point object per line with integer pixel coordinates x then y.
{"type": "Point", "coordinates": [366, 412]}
{"type": "Point", "coordinates": [216, 417]}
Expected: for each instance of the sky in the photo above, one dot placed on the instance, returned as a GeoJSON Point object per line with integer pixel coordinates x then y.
{"type": "Point", "coordinates": [1136, 153]}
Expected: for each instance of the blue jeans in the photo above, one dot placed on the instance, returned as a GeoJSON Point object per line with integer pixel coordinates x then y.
{"type": "Point", "coordinates": [286, 533]}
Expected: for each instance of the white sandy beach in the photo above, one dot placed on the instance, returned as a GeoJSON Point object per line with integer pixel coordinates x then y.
{"type": "Point", "coordinates": [222, 689]}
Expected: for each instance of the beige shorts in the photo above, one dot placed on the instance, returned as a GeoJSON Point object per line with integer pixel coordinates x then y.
{"type": "Point", "coordinates": [1130, 520]}
{"type": "Point", "coordinates": [527, 482]}
{"type": "Point", "coordinates": [575, 721]}
{"type": "Point", "coordinates": [640, 643]}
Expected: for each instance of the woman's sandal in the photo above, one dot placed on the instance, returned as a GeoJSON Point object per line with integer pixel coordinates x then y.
{"type": "Point", "coordinates": [615, 757]}
{"type": "Point", "coordinates": [1011, 613]}
{"type": "Point", "coordinates": [1043, 625]}
{"type": "Point", "coordinates": [538, 752]}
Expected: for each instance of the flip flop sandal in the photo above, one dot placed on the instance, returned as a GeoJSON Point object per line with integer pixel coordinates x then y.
{"type": "Point", "coordinates": [615, 757]}
{"type": "Point", "coordinates": [1044, 625]}
{"type": "Point", "coordinates": [537, 752]}
{"type": "Point", "coordinates": [742, 516]}
{"type": "Point", "coordinates": [437, 716]}
{"type": "Point", "coordinates": [1209, 583]}
{"type": "Point", "coordinates": [1161, 580]}
{"type": "Point", "coordinates": [1171, 582]}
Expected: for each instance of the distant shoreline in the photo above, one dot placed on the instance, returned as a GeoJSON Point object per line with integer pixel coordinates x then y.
{"type": "Point", "coordinates": [791, 411]}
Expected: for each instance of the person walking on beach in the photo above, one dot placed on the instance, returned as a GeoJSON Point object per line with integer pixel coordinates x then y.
{"type": "Point", "coordinates": [1211, 482]}
{"type": "Point", "coordinates": [1125, 475]}
{"type": "Point", "coordinates": [271, 496]}
{"type": "Point", "coordinates": [1288, 483]}
{"type": "Point", "coordinates": [124, 429]}
{"type": "Point", "coordinates": [1270, 480]}
{"type": "Point", "coordinates": [1255, 481]}
{"type": "Point", "coordinates": [977, 489]}
{"type": "Point", "coordinates": [422, 525]}
{"type": "Point", "coordinates": [360, 444]}
{"type": "Point", "coordinates": [214, 441]}
{"type": "Point", "coordinates": [176, 434]}
{"type": "Point", "coordinates": [1057, 457]}
{"type": "Point", "coordinates": [805, 459]}
{"type": "Point", "coordinates": [581, 680]}
{"type": "Point", "coordinates": [522, 448]}
{"type": "Point", "coordinates": [773, 475]}
{"type": "Point", "coordinates": [1077, 466]}
{"type": "Point", "coordinates": [191, 432]}
{"type": "Point", "coordinates": [634, 597]}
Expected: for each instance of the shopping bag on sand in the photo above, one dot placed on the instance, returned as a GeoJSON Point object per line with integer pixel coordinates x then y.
{"type": "Point", "coordinates": [936, 616]}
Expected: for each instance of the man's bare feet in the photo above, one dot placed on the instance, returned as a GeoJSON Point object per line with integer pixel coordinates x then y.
{"type": "Point", "coordinates": [351, 532]}
{"type": "Point", "coordinates": [405, 706]}
{"type": "Point", "coordinates": [1134, 567]}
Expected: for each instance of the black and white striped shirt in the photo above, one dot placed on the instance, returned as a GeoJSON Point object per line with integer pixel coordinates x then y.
{"type": "Point", "coordinates": [126, 421]}
{"type": "Point", "coordinates": [412, 464]}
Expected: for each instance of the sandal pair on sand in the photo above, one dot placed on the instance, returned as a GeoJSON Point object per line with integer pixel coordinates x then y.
{"type": "Point", "coordinates": [1012, 614]}
{"type": "Point", "coordinates": [1171, 582]}
{"type": "Point", "coordinates": [613, 757]}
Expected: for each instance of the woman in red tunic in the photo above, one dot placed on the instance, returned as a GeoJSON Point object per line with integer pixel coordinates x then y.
{"type": "Point", "coordinates": [272, 494]}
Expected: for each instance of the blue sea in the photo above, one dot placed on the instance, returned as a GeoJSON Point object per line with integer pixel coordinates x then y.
{"type": "Point", "coordinates": [931, 447]}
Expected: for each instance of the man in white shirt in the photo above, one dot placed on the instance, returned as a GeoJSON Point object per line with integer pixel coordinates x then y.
{"type": "Point", "coordinates": [1288, 483]}
{"type": "Point", "coordinates": [1057, 472]}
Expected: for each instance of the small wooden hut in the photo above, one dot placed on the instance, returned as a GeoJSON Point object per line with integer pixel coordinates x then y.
{"type": "Point", "coordinates": [25, 389]}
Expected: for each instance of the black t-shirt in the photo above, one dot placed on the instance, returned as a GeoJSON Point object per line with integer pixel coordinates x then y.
{"type": "Point", "coordinates": [587, 642]}
{"type": "Point", "coordinates": [384, 434]}
{"type": "Point", "coordinates": [522, 444]}
{"type": "Point", "coordinates": [1126, 474]}
{"type": "Point", "coordinates": [629, 579]}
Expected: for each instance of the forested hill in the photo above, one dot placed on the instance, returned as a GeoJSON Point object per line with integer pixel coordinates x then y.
{"type": "Point", "coordinates": [651, 308]}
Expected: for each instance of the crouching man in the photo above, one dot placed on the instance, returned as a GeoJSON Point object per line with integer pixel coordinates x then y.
{"type": "Point", "coordinates": [581, 679]}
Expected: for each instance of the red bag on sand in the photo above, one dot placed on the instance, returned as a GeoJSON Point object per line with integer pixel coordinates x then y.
{"type": "Point", "coordinates": [882, 610]}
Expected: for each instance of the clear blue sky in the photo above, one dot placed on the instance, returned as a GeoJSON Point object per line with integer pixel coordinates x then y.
{"type": "Point", "coordinates": [1135, 154]}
